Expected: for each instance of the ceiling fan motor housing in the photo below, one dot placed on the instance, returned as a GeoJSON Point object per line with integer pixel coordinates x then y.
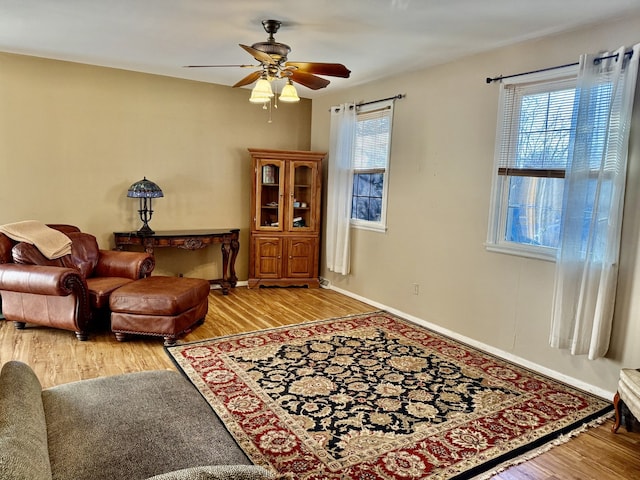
{"type": "Point", "coordinates": [278, 51]}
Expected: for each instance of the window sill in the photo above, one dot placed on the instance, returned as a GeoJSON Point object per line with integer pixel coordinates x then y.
{"type": "Point", "coordinates": [371, 226]}
{"type": "Point", "coordinates": [539, 253]}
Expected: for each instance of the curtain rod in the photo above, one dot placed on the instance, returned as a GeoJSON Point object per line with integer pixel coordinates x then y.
{"type": "Point", "coordinates": [395, 97]}
{"type": "Point", "coordinates": [628, 53]}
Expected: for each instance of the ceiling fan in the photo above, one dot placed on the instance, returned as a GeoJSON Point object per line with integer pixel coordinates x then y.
{"type": "Point", "coordinates": [274, 65]}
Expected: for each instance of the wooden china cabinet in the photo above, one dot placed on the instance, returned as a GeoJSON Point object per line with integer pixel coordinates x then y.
{"type": "Point", "coordinates": [284, 242]}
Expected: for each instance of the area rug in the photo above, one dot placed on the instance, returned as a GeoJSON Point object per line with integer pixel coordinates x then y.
{"type": "Point", "coordinates": [376, 397]}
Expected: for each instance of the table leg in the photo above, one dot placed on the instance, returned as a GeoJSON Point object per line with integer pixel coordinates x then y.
{"type": "Point", "coordinates": [225, 283]}
{"type": "Point", "coordinates": [148, 245]}
{"type": "Point", "coordinates": [235, 247]}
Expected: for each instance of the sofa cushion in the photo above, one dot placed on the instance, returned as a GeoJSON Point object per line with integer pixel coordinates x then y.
{"type": "Point", "coordinates": [23, 430]}
{"type": "Point", "coordinates": [133, 426]}
{"type": "Point", "coordinates": [83, 257]}
{"type": "Point", "coordinates": [28, 254]}
{"type": "Point", "coordinates": [100, 289]}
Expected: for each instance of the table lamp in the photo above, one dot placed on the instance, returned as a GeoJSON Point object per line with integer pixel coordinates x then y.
{"type": "Point", "coordinates": [145, 190]}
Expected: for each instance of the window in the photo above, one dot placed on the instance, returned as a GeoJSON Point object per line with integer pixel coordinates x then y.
{"type": "Point", "coordinates": [536, 129]}
{"type": "Point", "coordinates": [371, 166]}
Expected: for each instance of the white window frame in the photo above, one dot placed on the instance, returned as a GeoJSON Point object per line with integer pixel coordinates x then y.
{"type": "Point", "coordinates": [381, 225]}
{"type": "Point", "coordinates": [499, 194]}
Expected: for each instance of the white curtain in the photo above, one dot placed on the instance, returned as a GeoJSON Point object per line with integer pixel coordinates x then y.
{"type": "Point", "coordinates": [587, 264]}
{"type": "Point", "coordinates": [340, 187]}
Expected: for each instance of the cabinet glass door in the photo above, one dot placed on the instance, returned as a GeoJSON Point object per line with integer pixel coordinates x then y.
{"type": "Point", "coordinates": [269, 189]}
{"type": "Point", "coordinates": [302, 180]}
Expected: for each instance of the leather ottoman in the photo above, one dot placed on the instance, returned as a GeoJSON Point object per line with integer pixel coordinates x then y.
{"type": "Point", "coordinates": [163, 306]}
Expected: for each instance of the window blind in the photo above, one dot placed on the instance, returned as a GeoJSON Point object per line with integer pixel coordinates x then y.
{"type": "Point", "coordinates": [537, 128]}
{"type": "Point", "coordinates": [373, 131]}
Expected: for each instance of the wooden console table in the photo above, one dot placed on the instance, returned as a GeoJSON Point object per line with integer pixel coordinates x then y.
{"type": "Point", "coordinates": [191, 240]}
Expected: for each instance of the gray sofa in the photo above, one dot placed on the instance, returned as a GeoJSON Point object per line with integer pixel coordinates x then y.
{"type": "Point", "coordinates": [133, 426]}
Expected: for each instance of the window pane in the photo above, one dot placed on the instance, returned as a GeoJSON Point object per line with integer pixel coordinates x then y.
{"type": "Point", "coordinates": [361, 208]}
{"type": "Point", "coordinates": [545, 130]}
{"type": "Point", "coordinates": [362, 184]}
{"type": "Point", "coordinates": [375, 209]}
{"type": "Point", "coordinates": [534, 211]}
{"type": "Point", "coordinates": [376, 185]}
{"type": "Point", "coordinates": [367, 196]}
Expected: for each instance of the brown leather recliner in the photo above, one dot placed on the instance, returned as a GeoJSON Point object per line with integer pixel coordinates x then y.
{"type": "Point", "coordinates": [69, 291]}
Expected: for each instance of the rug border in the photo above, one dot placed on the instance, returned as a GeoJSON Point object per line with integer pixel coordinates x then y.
{"type": "Point", "coordinates": [533, 453]}
{"type": "Point", "coordinates": [535, 448]}
{"type": "Point", "coordinates": [482, 472]}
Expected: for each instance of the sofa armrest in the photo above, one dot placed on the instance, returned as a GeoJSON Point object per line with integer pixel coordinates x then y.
{"type": "Point", "coordinates": [219, 472]}
{"type": "Point", "coordinates": [23, 428]}
{"type": "Point", "coordinates": [40, 280]}
{"type": "Point", "coordinates": [115, 263]}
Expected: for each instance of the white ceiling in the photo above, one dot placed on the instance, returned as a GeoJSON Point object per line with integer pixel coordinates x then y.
{"type": "Point", "coordinates": [373, 38]}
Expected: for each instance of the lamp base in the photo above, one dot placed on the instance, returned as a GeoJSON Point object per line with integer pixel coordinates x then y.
{"type": "Point", "coordinates": [145, 231]}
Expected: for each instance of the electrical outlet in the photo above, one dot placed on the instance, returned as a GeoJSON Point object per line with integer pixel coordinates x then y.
{"type": "Point", "coordinates": [415, 288]}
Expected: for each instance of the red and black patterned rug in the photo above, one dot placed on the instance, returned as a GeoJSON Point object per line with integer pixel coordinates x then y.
{"type": "Point", "coordinates": [376, 397]}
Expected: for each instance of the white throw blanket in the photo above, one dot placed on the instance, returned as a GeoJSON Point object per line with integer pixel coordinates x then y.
{"type": "Point", "coordinates": [51, 243]}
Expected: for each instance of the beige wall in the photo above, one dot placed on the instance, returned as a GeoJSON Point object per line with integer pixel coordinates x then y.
{"type": "Point", "coordinates": [74, 137]}
{"type": "Point", "coordinates": [439, 188]}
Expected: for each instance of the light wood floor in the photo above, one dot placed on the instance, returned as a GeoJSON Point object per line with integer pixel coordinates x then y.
{"type": "Point", "coordinates": [57, 357]}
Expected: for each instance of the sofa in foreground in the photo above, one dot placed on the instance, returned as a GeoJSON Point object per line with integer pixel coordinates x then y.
{"type": "Point", "coordinates": [144, 425]}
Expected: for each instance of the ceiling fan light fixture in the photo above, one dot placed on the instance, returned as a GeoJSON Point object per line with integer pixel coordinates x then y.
{"type": "Point", "coordinates": [289, 93]}
{"type": "Point", "coordinates": [262, 92]}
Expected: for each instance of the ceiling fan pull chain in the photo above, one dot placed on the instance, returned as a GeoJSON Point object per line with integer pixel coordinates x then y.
{"type": "Point", "coordinates": [275, 97]}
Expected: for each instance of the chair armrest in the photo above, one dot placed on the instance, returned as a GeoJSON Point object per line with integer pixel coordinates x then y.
{"type": "Point", "coordinates": [115, 263]}
{"type": "Point", "coordinates": [40, 280]}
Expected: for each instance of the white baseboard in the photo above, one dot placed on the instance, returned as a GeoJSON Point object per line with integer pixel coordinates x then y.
{"type": "Point", "coordinates": [574, 382]}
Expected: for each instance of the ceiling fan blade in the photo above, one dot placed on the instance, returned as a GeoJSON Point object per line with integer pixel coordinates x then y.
{"type": "Point", "coordinates": [252, 77]}
{"type": "Point", "coordinates": [213, 66]}
{"type": "Point", "coordinates": [258, 55]}
{"type": "Point", "coordinates": [309, 80]}
{"type": "Point", "coordinates": [331, 69]}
